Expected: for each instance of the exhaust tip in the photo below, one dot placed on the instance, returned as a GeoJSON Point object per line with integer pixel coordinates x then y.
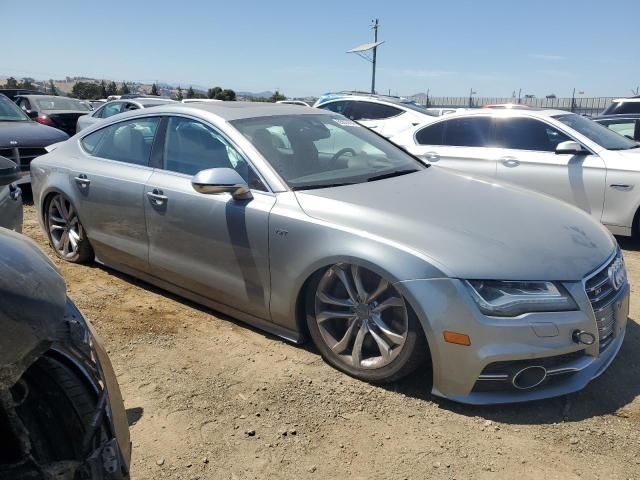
{"type": "Point", "coordinates": [529, 377]}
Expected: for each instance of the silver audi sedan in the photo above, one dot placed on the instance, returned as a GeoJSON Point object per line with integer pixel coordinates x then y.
{"type": "Point", "coordinates": [306, 224]}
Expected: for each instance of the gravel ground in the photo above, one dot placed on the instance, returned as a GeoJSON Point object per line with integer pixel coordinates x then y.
{"type": "Point", "coordinates": [209, 397]}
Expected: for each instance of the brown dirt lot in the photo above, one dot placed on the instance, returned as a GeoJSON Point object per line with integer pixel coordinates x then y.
{"type": "Point", "coordinates": [209, 397]}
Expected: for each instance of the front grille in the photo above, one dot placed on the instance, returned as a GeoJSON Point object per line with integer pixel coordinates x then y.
{"type": "Point", "coordinates": [602, 293]}
{"type": "Point", "coordinates": [22, 155]}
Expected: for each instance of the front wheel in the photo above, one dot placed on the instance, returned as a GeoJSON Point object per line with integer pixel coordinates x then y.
{"type": "Point", "coordinates": [66, 234]}
{"type": "Point", "coordinates": [362, 325]}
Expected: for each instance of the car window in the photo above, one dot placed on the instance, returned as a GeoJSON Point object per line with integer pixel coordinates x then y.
{"type": "Point", "coordinates": [527, 134]}
{"type": "Point", "coordinates": [10, 112]}
{"type": "Point", "coordinates": [372, 111]}
{"type": "Point", "coordinates": [127, 107]}
{"type": "Point", "coordinates": [596, 132]}
{"type": "Point", "coordinates": [431, 135]}
{"type": "Point", "coordinates": [625, 127]}
{"type": "Point", "coordinates": [468, 132]}
{"type": "Point", "coordinates": [128, 141]}
{"type": "Point", "coordinates": [110, 109]}
{"type": "Point", "coordinates": [337, 107]}
{"type": "Point", "coordinates": [622, 108]}
{"type": "Point", "coordinates": [24, 104]}
{"type": "Point", "coordinates": [60, 103]}
{"type": "Point", "coordinates": [191, 146]}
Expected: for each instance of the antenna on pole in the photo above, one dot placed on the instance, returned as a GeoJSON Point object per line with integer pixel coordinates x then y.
{"type": "Point", "coordinates": [361, 51]}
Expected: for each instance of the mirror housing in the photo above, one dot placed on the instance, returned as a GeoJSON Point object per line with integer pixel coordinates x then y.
{"type": "Point", "coordinates": [9, 172]}
{"type": "Point", "coordinates": [571, 147]}
{"type": "Point", "coordinates": [31, 113]}
{"type": "Point", "coordinates": [215, 181]}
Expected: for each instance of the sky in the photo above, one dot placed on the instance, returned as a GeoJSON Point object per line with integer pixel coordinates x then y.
{"type": "Point", "coordinates": [494, 47]}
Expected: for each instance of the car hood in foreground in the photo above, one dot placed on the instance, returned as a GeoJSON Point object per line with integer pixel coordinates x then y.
{"type": "Point", "coordinates": [471, 228]}
{"type": "Point", "coordinates": [29, 134]}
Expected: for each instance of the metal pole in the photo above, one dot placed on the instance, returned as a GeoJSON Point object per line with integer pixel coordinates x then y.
{"type": "Point", "coordinates": [373, 73]}
{"type": "Point", "coordinates": [573, 100]}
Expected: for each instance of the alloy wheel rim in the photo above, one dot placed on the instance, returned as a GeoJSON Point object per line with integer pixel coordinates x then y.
{"type": "Point", "coordinates": [64, 226]}
{"type": "Point", "coordinates": [361, 317]}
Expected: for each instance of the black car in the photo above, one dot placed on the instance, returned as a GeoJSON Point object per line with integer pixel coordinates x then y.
{"type": "Point", "coordinates": [12, 93]}
{"type": "Point", "coordinates": [61, 411]}
{"type": "Point", "coordinates": [22, 139]}
{"type": "Point", "coordinates": [627, 125]}
{"type": "Point", "coordinates": [54, 111]}
{"type": "Point", "coordinates": [623, 106]}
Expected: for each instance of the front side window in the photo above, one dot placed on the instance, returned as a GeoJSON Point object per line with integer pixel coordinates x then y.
{"type": "Point", "coordinates": [372, 111]}
{"type": "Point", "coordinates": [129, 141]}
{"type": "Point", "coordinates": [596, 132]}
{"type": "Point", "coordinates": [323, 150]}
{"type": "Point", "coordinates": [625, 127]}
{"type": "Point", "coordinates": [527, 134]}
{"type": "Point", "coordinates": [10, 112]}
{"type": "Point", "coordinates": [431, 135]}
{"type": "Point", "coordinates": [468, 132]}
{"type": "Point", "coordinates": [191, 146]}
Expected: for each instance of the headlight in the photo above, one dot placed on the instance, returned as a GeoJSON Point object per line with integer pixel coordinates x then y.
{"type": "Point", "coordinates": [510, 299]}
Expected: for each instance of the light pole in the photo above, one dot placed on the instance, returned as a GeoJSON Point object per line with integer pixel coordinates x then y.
{"type": "Point", "coordinates": [362, 49]}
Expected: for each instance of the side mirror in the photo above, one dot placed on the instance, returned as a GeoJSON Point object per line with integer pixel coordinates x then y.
{"type": "Point", "coordinates": [31, 113]}
{"type": "Point", "coordinates": [9, 172]}
{"type": "Point", "coordinates": [221, 180]}
{"type": "Point", "coordinates": [571, 147]}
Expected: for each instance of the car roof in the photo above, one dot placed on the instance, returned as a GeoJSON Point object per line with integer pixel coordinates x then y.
{"type": "Point", "coordinates": [365, 97]}
{"type": "Point", "coordinates": [44, 97]}
{"type": "Point", "coordinates": [620, 116]}
{"type": "Point", "coordinates": [233, 110]}
{"type": "Point", "coordinates": [630, 100]}
{"type": "Point", "coordinates": [508, 112]}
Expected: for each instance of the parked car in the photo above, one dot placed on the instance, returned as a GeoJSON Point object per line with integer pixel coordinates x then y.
{"type": "Point", "coordinates": [261, 211]}
{"type": "Point", "coordinates": [623, 124]}
{"type": "Point", "coordinates": [386, 115]}
{"type": "Point", "coordinates": [500, 106]}
{"type": "Point", "coordinates": [555, 152]}
{"type": "Point", "coordinates": [623, 106]}
{"type": "Point", "coordinates": [199, 100]}
{"type": "Point", "coordinates": [439, 111]}
{"type": "Point", "coordinates": [61, 411]}
{"type": "Point", "coordinates": [59, 112]}
{"type": "Point", "coordinates": [12, 93]}
{"type": "Point", "coordinates": [294, 102]}
{"type": "Point", "coordinates": [115, 107]}
{"type": "Point", "coordinates": [21, 139]}
{"type": "Point", "coordinates": [10, 196]}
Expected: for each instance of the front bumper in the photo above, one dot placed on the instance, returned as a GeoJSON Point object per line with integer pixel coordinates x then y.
{"type": "Point", "coordinates": [530, 339]}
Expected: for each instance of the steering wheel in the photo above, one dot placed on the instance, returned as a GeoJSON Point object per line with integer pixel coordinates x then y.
{"type": "Point", "coordinates": [340, 153]}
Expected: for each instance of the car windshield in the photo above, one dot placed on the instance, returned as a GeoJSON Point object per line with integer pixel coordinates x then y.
{"type": "Point", "coordinates": [318, 151]}
{"type": "Point", "coordinates": [10, 112]}
{"type": "Point", "coordinates": [597, 133]}
{"type": "Point", "coordinates": [60, 103]}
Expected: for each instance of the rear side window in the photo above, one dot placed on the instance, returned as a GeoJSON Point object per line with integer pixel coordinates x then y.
{"type": "Point", "coordinates": [468, 132]}
{"type": "Point", "coordinates": [372, 111]}
{"type": "Point", "coordinates": [337, 107]}
{"type": "Point", "coordinates": [431, 135]}
{"type": "Point", "coordinates": [128, 141]}
{"type": "Point", "coordinates": [527, 134]}
{"type": "Point", "coordinates": [618, 108]}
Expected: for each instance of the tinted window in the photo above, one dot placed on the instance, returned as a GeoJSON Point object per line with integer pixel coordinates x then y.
{"type": "Point", "coordinates": [109, 110]}
{"type": "Point", "coordinates": [372, 111]}
{"type": "Point", "coordinates": [617, 108]}
{"type": "Point", "coordinates": [626, 127]}
{"type": "Point", "coordinates": [468, 132]}
{"type": "Point", "coordinates": [129, 106]}
{"type": "Point", "coordinates": [527, 134]}
{"type": "Point", "coordinates": [128, 141]}
{"type": "Point", "coordinates": [431, 135]}
{"type": "Point", "coordinates": [337, 107]}
{"type": "Point", "coordinates": [191, 146]}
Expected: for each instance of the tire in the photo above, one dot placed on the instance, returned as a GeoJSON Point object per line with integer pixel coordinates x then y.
{"type": "Point", "coordinates": [62, 221]}
{"type": "Point", "coordinates": [393, 366]}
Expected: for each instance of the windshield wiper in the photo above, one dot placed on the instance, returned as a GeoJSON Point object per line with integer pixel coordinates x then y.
{"type": "Point", "coordinates": [397, 173]}
{"type": "Point", "coordinates": [322, 185]}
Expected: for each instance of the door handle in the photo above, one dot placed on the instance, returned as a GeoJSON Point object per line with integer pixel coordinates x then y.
{"type": "Point", "coordinates": [157, 197]}
{"type": "Point", "coordinates": [432, 156]}
{"type": "Point", "coordinates": [621, 186]}
{"type": "Point", "coordinates": [82, 180]}
{"type": "Point", "coordinates": [510, 161]}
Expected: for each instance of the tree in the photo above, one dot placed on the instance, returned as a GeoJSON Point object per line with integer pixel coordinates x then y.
{"type": "Point", "coordinates": [276, 97]}
{"type": "Point", "coordinates": [190, 93]}
{"type": "Point", "coordinates": [27, 84]}
{"type": "Point", "coordinates": [228, 95]}
{"type": "Point", "coordinates": [52, 88]}
{"type": "Point", "coordinates": [85, 90]}
{"type": "Point", "coordinates": [214, 92]}
{"type": "Point", "coordinates": [112, 89]}
{"type": "Point", "coordinates": [551, 96]}
{"type": "Point", "coordinates": [180, 97]}
{"type": "Point", "coordinates": [124, 89]}
{"type": "Point", "coordinates": [103, 90]}
{"type": "Point", "coordinates": [11, 83]}
{"type": "Point", "coordinates": [154, 89]}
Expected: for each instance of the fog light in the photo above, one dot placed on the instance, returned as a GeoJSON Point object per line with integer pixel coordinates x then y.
{"type": "Point", "coordinates": [457, 338]}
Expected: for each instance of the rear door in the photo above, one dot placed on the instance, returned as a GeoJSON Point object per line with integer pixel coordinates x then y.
{"type": "Point", "coordinates": [464, 144]}
{"type": "Point", "coordinates": [528, 159]}
{"type": "Point", "coordinates": [108, 183]}
{"type": "Point", "coordinates": [212, 245]}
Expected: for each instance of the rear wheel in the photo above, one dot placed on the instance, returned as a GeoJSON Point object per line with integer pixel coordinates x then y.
{"type": "Point", "coordinates": [362, 325]}
{"type": "Point", "coordinates": [66, 234]}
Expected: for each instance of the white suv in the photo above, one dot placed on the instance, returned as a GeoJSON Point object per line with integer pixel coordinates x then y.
{"type": "Point", "coordinates": [558, 153]}
{"type": "Point", "coordinates": [386, 115]}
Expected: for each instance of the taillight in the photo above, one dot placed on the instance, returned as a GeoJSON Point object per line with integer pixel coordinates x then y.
{"type": "Point", "coordinates": [43, 119]}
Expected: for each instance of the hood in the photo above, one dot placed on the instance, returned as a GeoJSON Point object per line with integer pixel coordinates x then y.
{"type": "Point", "coordinates": [32, 302]}
{"type": "Point", "coordinates": [29, 134]}
{"type": "Point", "coordinates": [471, 228]}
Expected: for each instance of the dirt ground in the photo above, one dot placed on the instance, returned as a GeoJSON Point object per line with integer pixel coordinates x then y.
{"type": "Point", "coordinates": [208, 397]}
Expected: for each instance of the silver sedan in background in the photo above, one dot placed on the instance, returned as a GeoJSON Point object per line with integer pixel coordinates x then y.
{"type": "Point", "coordinates": [305, 223]}
{"type": "Point", "coordinates": [114, 107]}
